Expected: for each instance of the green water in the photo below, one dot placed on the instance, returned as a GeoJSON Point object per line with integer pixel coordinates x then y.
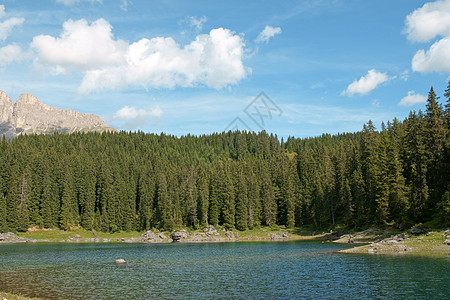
{"type": "Point", "coordinates": [217, 271]}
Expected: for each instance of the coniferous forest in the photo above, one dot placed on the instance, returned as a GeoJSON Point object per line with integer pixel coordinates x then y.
{"type": "Point", "coordinates": [395, 174]}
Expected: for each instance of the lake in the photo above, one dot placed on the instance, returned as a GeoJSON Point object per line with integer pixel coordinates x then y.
{"type": "Point", "coordinates": [283, 270]}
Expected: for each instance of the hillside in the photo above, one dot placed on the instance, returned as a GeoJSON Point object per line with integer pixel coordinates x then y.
{"type": "Point", "coordinates": [398, 176]}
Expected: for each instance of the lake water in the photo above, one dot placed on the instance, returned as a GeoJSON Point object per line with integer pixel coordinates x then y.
{"type": "Point", "coordinates": [282, 270]}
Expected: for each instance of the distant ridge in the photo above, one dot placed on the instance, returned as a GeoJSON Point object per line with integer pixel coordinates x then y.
{"type": "Point", "coordinates": [29, 115]}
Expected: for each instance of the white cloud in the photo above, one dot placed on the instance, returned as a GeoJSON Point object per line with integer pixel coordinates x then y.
{"type": "Point", "coordinates": [81, 46]}
{"type": "Point", "coordinates": [367, 83]}
{"type": "Point", "coordinates": [436, 59]}
{"type": "Point", "coordinates": [9, 54]}
{"type": "Point", "coordinates": [133, 118]}
{"type": "Point", "coordinates": [2, 11]}
{"type": "Point", "coordinates": [268, 33]}
{"type": "Point", "coordinates": [73, 2]}
{"type": "Point", "coordinates": [125, 4]}
{"type": "Point", "coordinates": [7, 26]}
{"type": "Point", "coordinates": [412, 99]}
{"type": "Point", "coordinates": [196, 22]}
{"type": "Point", "coordinates": [429, 21]}
{"type": "Point", "coordinates": [213, 60]}
{"type": "Point", "coordinates": [423, 25]}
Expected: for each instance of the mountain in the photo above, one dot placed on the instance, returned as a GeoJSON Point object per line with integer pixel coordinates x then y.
{"type": "Point", "coordinates": [29, 115]}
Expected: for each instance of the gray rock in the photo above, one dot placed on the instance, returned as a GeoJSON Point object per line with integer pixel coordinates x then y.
{"type": "Point", "coordinates": [177, 236]}
{"type": "Point", "coordinates": [447, 242]}
{"type": "Point", "coordinates": [229, 234]}
{"type": "Point", "coordinates": [28, 115]}
{"type": "Point", "coordinates": [10, 237]}
{"type": "Point", "coordinates": [210, 230]}
{"type": "Point", "coordinates": [150, 236]}
{"type": "Point", "coordinates": [399, 237]}
{"type": "Point", "coordinates": [417, 231]}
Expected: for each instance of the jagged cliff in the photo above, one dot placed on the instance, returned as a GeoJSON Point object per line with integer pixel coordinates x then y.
{"type": "Point", "coordinates": [29, 115]}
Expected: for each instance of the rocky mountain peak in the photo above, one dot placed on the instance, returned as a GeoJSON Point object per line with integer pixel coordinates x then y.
{"type": "Point", "coordinates": [28, 99]}
{"type": "Point", "coordinates": [29, 115]}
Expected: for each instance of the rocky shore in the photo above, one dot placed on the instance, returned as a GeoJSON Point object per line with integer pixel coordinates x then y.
{"type": "Point", "coordinates": [12, 238]}
{"type": "Point", "coordinates": [208, 234]}
{"type": "Point", "coordinates": [376, 241]}
{"type": "Point", "coordinates": [415, 241]}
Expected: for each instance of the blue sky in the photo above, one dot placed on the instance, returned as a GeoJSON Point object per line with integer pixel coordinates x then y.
{"type": "Point", "coordinates": [198, 67]}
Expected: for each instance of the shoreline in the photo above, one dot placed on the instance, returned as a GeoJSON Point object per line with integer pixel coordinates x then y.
{"type": "Point", "coordinates": [426, 243]}
{"type": "Point", "coordinates": [208, 235]}
{"type": "Point", "coordinates": [370, 241]}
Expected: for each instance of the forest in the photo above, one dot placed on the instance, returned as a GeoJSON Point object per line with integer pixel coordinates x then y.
{"type": "Point", "coordinates": [394, 175]}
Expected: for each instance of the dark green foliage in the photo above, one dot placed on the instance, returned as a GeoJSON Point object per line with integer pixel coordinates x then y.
{"type": "Point", "coordinates": [136, 181]}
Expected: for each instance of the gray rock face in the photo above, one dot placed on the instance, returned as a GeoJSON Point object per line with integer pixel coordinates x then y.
{"type": "Point", "coordinates": [210, 230]}
{"type": "Point", "coordinates": [176, 236]}
{"type": "Point", "coordinates": [10, 237]}
{"type": "Point", "coordinates": [29, 115]}
{"type": "Point", "coordinates": [151, 237]}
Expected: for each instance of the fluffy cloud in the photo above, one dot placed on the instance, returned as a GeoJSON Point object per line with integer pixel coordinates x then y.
{"type": "Point", "coordinates": [268, 33]}
{"type": "Point", "coordinates": [437, 58]}
{"type": "Point", "coordinates": [213, 60]}
{"type": "Point", "coordinates": [423, 25]}
{"type": "Point", "coordinates": [9, 54]}
{"type": "Point", "coordinates": [81, 46]}
{"type": "Point", "coordinates": [429, 21]}
{"type": "Point", "coordinates": [72, 2]}
{"type": "Point", "coordinates": [133, 118]}
{"type": "Point", "coordinates": [412, 99]}
{"type": "Point", "coordinates": [7, 26]}
{"type": "Point", "coordinates": [367, 83]}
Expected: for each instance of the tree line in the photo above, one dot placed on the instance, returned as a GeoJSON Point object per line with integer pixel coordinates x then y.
{"type": "Point", "coordinates": [395, 175]}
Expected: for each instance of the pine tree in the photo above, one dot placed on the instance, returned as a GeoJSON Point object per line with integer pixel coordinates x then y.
{"type": "Point", "coordinates": [417, 169]}
{"type": "Point", "coordinates": [241, 201]}
{"type": "Point", "coordinates": [267, 196]}
{"type": "Point", "coordinates": [226, 197]}
{"type": "Point", "coordinates": [145, 195]}
{"type": "Point", "coordinates": [435, 134]}
{"type": "Point", "coordinates": [69, 207]}
{"type": "Point", "coordinates": [203, 197]}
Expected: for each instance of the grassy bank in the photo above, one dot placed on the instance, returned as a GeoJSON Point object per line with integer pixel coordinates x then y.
{"type": "Point", "coordinates": [380, 241]}
{"type": "Point", "coordinates": [429, 244]}
{"type": "Point", "coordinates": [222, 235]}
{"type": "Point", "coordinates": [58, 235]}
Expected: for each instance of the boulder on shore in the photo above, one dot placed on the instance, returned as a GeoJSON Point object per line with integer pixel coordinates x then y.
{"type": "Point", "coordinates": [417, 231]}
{"type": "Point", "coordinates": [177, 236]}
{"type": "Point", "coordinates": [10, 237]}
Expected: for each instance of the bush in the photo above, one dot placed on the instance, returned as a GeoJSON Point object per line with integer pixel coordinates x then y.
{"type": "Point", "coordinates": [113, 228]}
{"type": "Point", "coordinates": [6, 228]}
